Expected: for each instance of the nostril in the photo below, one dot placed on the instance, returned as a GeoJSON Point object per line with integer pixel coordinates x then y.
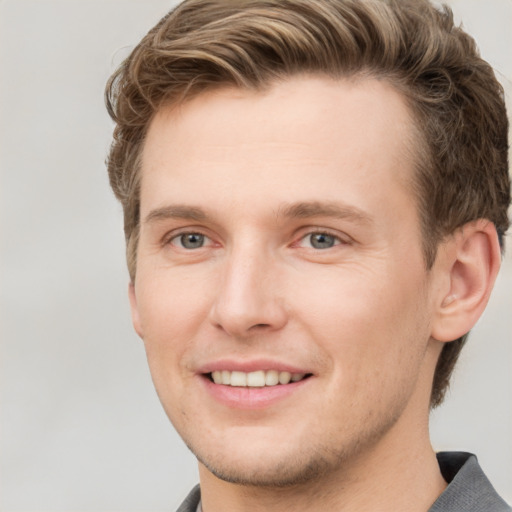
{"type": "Point", "coordinates": [260, 326]}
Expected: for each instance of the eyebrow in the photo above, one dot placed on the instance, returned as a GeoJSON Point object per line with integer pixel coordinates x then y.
{"type": "Point", "coordinates": [176, 211]}
{"type": "Point", "coordinates": [304, 210]}
{"type": "Point", "coordinates": [301, 210]}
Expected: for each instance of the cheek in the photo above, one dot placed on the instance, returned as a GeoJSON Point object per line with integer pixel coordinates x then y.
{"type": "Point", "coordinates": [170, 302]}
{"type": "Point", "coordinates": [368, 325]}
{"type": "Point", "coordinates": [168, 315]}
{"type": "Point", "coordinates": [172, 308]}
{"type": "Point", "coordinates": [374, 348]}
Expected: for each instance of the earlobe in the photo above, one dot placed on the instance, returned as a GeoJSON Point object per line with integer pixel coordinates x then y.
{"type": "Point", "coordinates": [134, 310]}
{"type": "Point", "coordinates": [470, 264]}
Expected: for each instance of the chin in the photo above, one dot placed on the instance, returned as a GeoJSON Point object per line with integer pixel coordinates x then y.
{"type": "Point", "coordinates": [281, 462]}
{"type": "Point", "coordinates": [289, 471]}
{"type": "Point", "coordinates": [284, 458]}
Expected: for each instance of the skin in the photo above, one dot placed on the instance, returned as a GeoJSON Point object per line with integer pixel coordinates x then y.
{"type": "Point", "coordinates": [255, 174]}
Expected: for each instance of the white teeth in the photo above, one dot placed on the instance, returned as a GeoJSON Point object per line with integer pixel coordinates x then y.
{"type": "Point", "coordinates": [272, 378]}
{"type": "Point", "coordinates": [238, 379]}
{"type": "Point", "coordinates": [257, 379]}
{"type": "Point", "coordinates": [284, 377]}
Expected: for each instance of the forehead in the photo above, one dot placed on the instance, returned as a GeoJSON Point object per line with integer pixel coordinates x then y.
{"type": "Point", "coordinates": [304, 134]}
{"type": "Point", "coordinates": [296, 104]}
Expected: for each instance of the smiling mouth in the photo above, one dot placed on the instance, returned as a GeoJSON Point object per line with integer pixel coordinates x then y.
{"type": "Point", "coordinates": [257, 379]}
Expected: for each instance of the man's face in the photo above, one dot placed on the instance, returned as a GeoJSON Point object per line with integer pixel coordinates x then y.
{"type": "Point", "coordinates": [279, 237]}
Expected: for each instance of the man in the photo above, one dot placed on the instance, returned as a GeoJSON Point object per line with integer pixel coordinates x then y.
{"type": "Point", "coordinates": [315, 194]}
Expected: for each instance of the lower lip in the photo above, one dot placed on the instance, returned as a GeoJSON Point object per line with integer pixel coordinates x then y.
{"type": "Point", "coordinates": [252, 398]}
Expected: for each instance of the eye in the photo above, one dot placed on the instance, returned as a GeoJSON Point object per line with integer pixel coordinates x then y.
{"type": "Point", "coordinates": [320, 240]}
{"type": "Point", "coordinates": [190, 240]}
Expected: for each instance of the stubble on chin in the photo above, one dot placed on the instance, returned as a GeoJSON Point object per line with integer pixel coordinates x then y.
{"type": "Point", "coordinates": [283, 475]}
{"type": "Point", "coordinates": [308, 462]}
{"type": "Point", "coordinates": [308, 466]}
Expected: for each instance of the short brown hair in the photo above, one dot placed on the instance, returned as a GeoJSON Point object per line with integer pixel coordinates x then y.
{"type": "Point", "coordinates": [461, 160]}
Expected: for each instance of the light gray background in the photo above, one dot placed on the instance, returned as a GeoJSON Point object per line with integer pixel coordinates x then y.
{"type": "Point", "coordinates": [81, 427]}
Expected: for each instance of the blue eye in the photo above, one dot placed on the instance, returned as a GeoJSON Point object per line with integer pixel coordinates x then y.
{"type": "Point", "coordinates": [190, 240]}
{"type": "Point", "coordinates": [322, 240]}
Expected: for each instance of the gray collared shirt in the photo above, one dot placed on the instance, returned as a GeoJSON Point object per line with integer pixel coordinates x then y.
{"type": "Point", "coordinates": [468, 489]}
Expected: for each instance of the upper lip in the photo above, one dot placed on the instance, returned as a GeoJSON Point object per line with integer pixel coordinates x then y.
{"type": "Point", "coordinates": [250, 366]}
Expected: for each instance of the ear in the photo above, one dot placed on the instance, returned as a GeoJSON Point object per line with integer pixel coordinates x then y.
{"type": "Point", "coordinates": [134, 310]}
{"type": "Point", "coordinates": [468, 262]}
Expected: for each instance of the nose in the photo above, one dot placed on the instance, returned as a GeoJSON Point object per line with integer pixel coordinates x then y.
{"type": "Point", "coordinates": [248, 300]}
